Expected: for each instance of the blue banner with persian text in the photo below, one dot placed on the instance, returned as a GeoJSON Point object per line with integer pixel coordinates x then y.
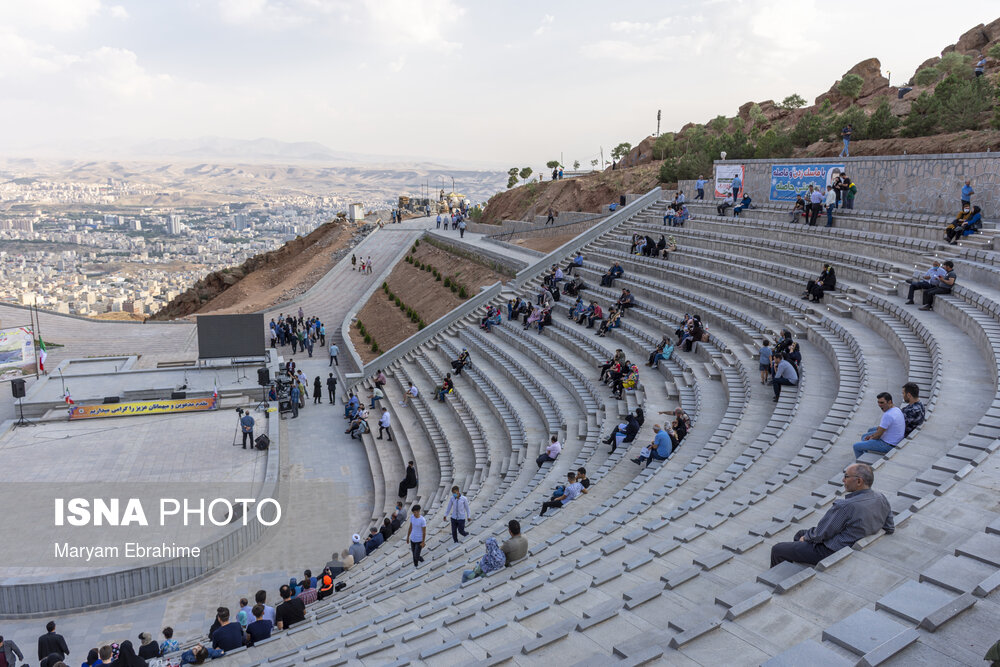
{"type": "Point", "coordinates": [789, 180]}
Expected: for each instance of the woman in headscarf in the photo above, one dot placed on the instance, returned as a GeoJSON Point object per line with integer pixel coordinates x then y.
{"type": "Point", "coordinates": [127, 657]}
{"type": "Point", "coordinates": [147, 647]}
{"type": "Point", "coordinates": [93, 658]}
{"type": "Point", "coordinates": [492, 561]}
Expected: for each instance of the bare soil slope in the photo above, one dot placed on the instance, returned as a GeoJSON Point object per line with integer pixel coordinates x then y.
{"type": "Point", "coordinates": [269, 278]}
{"type": "Point", "coordinates": [388, 325]}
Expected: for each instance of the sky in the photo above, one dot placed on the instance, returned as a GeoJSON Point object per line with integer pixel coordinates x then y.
{"type": "Point", "coordinates": [501, 83]}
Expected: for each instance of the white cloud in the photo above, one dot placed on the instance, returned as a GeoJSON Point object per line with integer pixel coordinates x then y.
{"type": "Point", "coordinates": [427, 23]}
{"type": "Point", "coordinates": [398, 64]}
{"type": "Point", "coordinates": [640, 27]}
{"type": "Point", "coordinates": [54, 15]}
{"type": "Point", "coordinates": [117, 72]}
{"type": "Point", "coordinates": [118, 12]}
{"type": "Point", "coordinates": [546, 23]}
{"type": "Point", "coordinates": [282, 14]}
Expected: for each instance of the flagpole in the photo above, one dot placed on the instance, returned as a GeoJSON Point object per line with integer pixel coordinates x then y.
{"type": "Point", "coordinates": [63, 381]}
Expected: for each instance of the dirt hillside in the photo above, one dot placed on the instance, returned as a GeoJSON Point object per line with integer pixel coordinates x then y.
{"type": "Point", "coordinates": [269, 278]}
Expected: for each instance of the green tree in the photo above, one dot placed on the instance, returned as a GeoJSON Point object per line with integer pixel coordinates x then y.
{"type": "Point", "coordinates": [850, 86]}
{"type": "Point", "coordinates": [773, 144]}
{"type": "Point", "coordinates": [593, 163]}
{"type": "Point", "coordinates": [793, 101]}
{"type": "Point", "coordinates": [552, 164]}
{"type": "Point", "coordinates": [757, 116]}
{"type": "Point", "coordinates": [882, 122]}
{"type": "Point", "coordinates": [576, 165]}
{"type": "Point", "coordinates": [718, 124]}
{"type": "Point", "coordinates": [962, 103]}
{"type": "Point", "coordinates": [621, 150]}
{"type": "Point", "coordinates": [665, 146]}
{"type": "Point", "coordinates": [926, 76]}
{"type": "Point", "coordinates": [808, 130]}
{"type": "Point", "coordinates": [855, 117]}
{"type": "Point", "coordinates": [994, 52]}
{"type": "Point", "coordinates": [525, 173]}
{"type": "Point", "coordinates": [956, 63]}
{"type": "Point", "coordinates": [512, 177]}
{"type": "Point", "coordinates": [923, 116]}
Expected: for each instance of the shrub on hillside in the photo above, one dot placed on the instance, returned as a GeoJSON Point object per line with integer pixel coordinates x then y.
{"type": "Point", "coordinates": [462, 293]}
{"type": "Point", "coordinates": [850, 86]}
{"type": "Point", "coordinates": [793, 101]}
{"type": "Point", "coordinates": [447, 282]}
{"type": "Point", "coordinates": [923, 116]}
{"type": "Point", "coordinates": [882, 123]}
{"type": "Point", "coordinates": [926, 76]}
{"type": "Point", "coordinates": [962, 102]}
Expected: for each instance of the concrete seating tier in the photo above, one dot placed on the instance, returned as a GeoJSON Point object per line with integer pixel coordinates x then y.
{"type": "Point", "coordinates": [668, 564]}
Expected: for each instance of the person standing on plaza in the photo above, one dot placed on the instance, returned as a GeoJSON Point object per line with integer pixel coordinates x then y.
{"type": "Point", "coordinates": [331, 387]}
{"type": "Point", "coordinates": [458, 511]}
{"type": "Point", "coordinates": [334, 351]}
{"type": "Point", "coordinates": [246, 426]}
{"type": "Point", "coordinates": [295, 396]}
{"type": "Point", "coordinates": [317, 391]}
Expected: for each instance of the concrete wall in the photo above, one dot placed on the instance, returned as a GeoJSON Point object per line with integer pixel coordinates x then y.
{"type": "Point", "coordinates": [44, 596]}
{"type": "Point", "coordinates": [919, 184]}
{"type": "Point", "coordinates": [516, 226]}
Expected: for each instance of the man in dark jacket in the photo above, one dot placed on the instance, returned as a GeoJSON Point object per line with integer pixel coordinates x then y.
{"type": "Point", "coordinates": [9, 650]}
{"type": "Point", "coordinates": [52, 642]}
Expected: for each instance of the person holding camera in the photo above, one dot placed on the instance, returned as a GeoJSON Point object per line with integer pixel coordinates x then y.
{"type": "Point", "coordinates": [246, 426]}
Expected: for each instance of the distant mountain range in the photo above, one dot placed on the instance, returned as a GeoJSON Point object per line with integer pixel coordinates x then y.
{"type": "Point", "coordinates": [226, 149]}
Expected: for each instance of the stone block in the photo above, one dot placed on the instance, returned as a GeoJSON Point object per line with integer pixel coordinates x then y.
{"type": "Point", "coordinates": [808, 653]}
{"type": "Point", "coordinates": [713, 559]}
{"type": "Point", "coordinates": [863, 631]}
{"type": "Point", "coordinates": [914, 601]}
{"type": "Point", "coordinates": [957, 573]}
{"type": "Point", "coordinates": [678, 576]}
{"type": "Point", "coordinates": [779, 573]}
{"type": "Point", "coordinates": [734, 596]}
{"type": "Point", "coordinates": [983, 547]}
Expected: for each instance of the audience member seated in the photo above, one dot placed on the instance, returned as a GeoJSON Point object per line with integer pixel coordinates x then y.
{"type": "Point", "coordinates": [463, 359]}
{"type": "Point", "coordinates": [351, 407]}
{"type": "Point", "coordinates": [613, 273]}
{"type": "Point", "coordinates": [573, 287]}
{"type": "Point", "coordinates": [227, 637]}
{"type": "Point", "coordinates": [744, 205]}
{"type": "Point", "coordinates": [681, 217]}
{"type": "Point", "coordinates": [944, 285]}
{"type": "Point", "coordinates": [860, 513]}
{"type": "Point", "coordinates": [826, 282]}
{"type": "Point", "coordinates": [492, 561]}
{"type": "Point", "coordinates": [545, 319]}
{"type": "Point", "coordinates": [931, 278]}
{"type": "Point", "coordinates": [551, 452]}
{"type": "Point", "coordinates": [596, 314]}
{"type": "Point", "coordinates": [570, 492]}
{"type": "Point", "coordinates": [890, 430]}
{"type": "Point", "coordinates": [447, 387]}
{"type": "Point", "coordinates": [516, 547]}
{"type": "Point", "coordinates": [374, 541]}
{"type": "Point", "coordinates": [292, 610]}
{"type": "Point", "coordinates": [784, 374]}
{"type": "Point", "coordinates": [408, 482]}
{"type": "Point", "coordinates": [628, 378]}
{"type": "Point", "coordinates": [148, 649]}
{"type": "Point", "coordinates": [575, 263]}
{"type": "Point", "coordinates": [662, 352]}
{"type": "Point", "coordinates": [726, 203]}
{"type": "Point", "coordinates": [577, 309]}
{"type": "Point", "coordinates": [613, 322]}
{"type": "Point", "coordinates": [605, 369]}
{"type": "Point", "coordinates": [913, 411]}
{"type": "Point", "coordinates": [358, 426]}
{"type": "Point", "coordinates": [260, 628]}
{"type": "Point", "coordinates": [660, 448]}
{"type": "Point", "coordinates": [797, 209]}
{"type": "Point", "coordinates": [626, 300]}
{"type": "Point", "coordinates": [967, 222]}
{"type": "Point", "coordinates": [356, 550]}
{"type": "Point", "coordinates": [199, 654]}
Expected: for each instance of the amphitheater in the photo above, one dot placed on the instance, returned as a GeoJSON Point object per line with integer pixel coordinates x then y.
{"type": "Point", "coordinates": [669, 564]}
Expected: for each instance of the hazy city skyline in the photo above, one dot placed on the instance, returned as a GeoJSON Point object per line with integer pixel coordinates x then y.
{"type": "Point", "coordinates": [438, 80]}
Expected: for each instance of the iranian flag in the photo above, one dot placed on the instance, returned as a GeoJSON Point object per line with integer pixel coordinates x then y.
{"type": "Point", "coordinates": [42, 354]}
{"type": "Point", "coordinates": [68, 398]}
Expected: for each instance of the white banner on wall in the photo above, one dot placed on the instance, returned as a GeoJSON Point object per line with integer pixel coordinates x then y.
{"type": "Point", "coordinates": [724, 175]}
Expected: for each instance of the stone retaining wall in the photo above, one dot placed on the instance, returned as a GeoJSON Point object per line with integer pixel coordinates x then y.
{"type": "Point", "coordinates": [919, 184]}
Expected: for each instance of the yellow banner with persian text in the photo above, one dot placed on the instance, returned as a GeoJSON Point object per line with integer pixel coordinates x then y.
{"type": "Point", "coordinates": [137, 408]}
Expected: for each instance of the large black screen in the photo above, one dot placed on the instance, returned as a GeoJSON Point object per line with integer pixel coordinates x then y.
{"type": "Point", "coordinates": [230, 336]}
